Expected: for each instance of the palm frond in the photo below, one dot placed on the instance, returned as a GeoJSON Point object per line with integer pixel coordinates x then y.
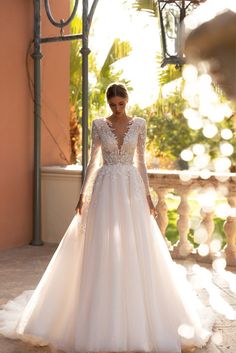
{"type": "Point", "coordinates": [169, 74]}
{"type": "Point", "coordinates": [148, 6]}
{"type": "Point", "coordinates": [117, 51]}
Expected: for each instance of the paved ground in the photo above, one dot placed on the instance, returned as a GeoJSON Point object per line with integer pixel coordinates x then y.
{"type": "Point", "coordinates": [21, 269]}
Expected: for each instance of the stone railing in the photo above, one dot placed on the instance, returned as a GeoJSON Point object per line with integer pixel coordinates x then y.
{"type": "Point", "coordinates": [60, 191]}
{"type": "Point", "coordinates": [183, 183]}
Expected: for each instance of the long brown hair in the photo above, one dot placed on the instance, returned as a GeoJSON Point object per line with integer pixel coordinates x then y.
{"type": "Point", "coordinates": [116, 90]}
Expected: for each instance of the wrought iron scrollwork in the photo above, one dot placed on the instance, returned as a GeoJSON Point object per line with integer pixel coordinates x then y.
{"type": "Point", "coordinates": [62, 23]}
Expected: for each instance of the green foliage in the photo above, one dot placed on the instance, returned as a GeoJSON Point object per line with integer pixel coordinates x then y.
{"type": "Point", "coordinates": [169, 134]}
{"type": "Point", "coordinates": [106, 75]}
{"type": "Point", "coordinates": [98, 80]}
{"type": "Point", "coordinates": [173, 235]}
{"type": "Point", "coordinates": [148, 6]}
{"type": "Point", "coordinates": [76, 66]}
{"type": "Point", "coordinates": [168, 74]}
{"type": "Point", "coordinates": [168, 131]}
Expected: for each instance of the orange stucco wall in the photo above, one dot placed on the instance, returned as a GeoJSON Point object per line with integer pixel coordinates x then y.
{"type": "Point", "coordinates": [16, 122]}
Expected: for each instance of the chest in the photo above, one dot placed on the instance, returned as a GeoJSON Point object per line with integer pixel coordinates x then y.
{"type": "Point", "coordinates": [120, 140]}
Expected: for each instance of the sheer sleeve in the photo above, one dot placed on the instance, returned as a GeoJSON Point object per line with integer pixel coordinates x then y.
{"type": "Point", "coordinates": [140, 155]}
{"type": "Point", "coordinates": [93, 160]}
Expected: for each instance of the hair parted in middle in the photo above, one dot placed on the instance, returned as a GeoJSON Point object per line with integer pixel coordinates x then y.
{"type": "Point", "coordinates": [116, 90]}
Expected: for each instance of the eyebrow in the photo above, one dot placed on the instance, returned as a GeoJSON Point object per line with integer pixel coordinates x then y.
{"type": "Point", "coordinates": [121, 102]}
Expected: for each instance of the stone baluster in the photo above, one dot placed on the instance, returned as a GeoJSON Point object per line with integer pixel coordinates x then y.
{"type": "Point", "coordinates": [205, 254]}
{"type": "Point", "coordinates": [183, 247]}
{"type": "Point", "coordinates": [230, 231]}
{"type": "Point", "coordinates": [162, 213]}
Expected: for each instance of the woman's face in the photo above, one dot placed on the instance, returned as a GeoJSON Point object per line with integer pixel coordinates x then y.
{"type": "Point", "coordinates": [118, 105]}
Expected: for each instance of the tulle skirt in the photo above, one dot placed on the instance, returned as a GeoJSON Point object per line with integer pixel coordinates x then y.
{"type": "Point", "coordinates": [111, 285]}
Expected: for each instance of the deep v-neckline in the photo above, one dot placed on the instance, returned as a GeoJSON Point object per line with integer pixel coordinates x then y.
{"type": "Point", "coordinates": [114, 135]}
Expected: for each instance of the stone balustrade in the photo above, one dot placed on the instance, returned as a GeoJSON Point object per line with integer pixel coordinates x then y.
{"type": "Point", "coordinates": [183, 183]}
{"type": "Point", "coordinates": [60, 191]}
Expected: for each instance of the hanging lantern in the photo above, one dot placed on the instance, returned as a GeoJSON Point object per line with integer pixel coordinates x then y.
{"type": "Point", "coordinates": [171, 15]}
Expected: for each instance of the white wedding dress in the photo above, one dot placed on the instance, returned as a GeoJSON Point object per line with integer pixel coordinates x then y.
{"type": "Point", "coordinates": [111, 285]}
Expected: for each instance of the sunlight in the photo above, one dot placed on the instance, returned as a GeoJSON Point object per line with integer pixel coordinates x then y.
{"type": "Point", "coordinates": [222, 164]}
{"type": "Point", "coordinates": [226, 149]}
{"type": "Point", "coordinates": [204, 111]}
{"type": "Point", "coordinates": [200, 235]}
{"type": "Point", "coordinates": [215, 246]}
{"type": "Point", "coordinates": [202, 278]}
{"type": "Point", "coordinates": [187, 155]}
{"type": "Point", "coordinates": [217, 338]}
{"type": "Point", "coordinates": [201, 161]}
{"type": "Point", "coordinates": [209, 130]}
{"type": "Point", "coordinates": [186, 331]}
{"type": "Point", "coordinates": [207, 11]}
{"type": "Point", "coordinates": [226, 134]}
{"type": "Point", "coordinates": [198, 149]}
{"type": "Point", "coordinates": [117, 19]}
{"type": "Point", "coordinates": [203, 250]}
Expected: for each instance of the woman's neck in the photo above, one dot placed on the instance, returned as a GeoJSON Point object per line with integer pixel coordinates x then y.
{"type": "Point", "coordinates": [119, 117]}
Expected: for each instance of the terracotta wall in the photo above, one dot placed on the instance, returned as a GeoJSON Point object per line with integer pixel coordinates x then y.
{"type": "Point", "coordinates": [16, 122]}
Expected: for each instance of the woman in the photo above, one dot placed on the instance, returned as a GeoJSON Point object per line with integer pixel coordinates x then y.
{"type": "Point", "coordinates": [111, 285]}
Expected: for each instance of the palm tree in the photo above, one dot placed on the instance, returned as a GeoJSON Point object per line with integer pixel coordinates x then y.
{"type": "Point", "coordinates": [100, 78]}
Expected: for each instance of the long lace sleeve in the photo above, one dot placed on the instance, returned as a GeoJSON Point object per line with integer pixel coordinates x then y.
{"type": "Point", "coordinates": [140, 155]}
{"type": "Point", "coordinates": [93, 160]}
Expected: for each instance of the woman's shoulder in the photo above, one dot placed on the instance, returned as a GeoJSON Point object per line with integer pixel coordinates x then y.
{"type": "Point", "coordinates": [141, 121]}
{"type": "Point", "coordinates": [97, 121]}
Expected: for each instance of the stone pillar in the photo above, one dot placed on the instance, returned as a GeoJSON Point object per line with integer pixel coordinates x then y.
{"type": "Point", "coordinates": [183, 247]}
{"type": "Point", "coordinates": [162, 213]}
{"type": "Point", "coordinates": [230, 231]}
{"type": "Point", "coordinates": [208, 224]}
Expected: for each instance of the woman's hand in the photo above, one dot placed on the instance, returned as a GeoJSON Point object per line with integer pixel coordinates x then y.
{"type": "Point", "coordinates": [80, 203]}
{"type": "Point", "coordinates": [153, 210]}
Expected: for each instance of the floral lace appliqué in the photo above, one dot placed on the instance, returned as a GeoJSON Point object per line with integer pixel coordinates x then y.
{"type": "Point", "coordinates": [131, 152]}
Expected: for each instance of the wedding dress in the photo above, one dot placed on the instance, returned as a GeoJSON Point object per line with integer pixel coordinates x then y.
{"type": "Point", "coordinates": [111, 285]}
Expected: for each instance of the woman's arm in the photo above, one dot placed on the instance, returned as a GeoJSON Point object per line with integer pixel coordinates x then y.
{"type": "Point", "coordinates": [93, 161]}
{"type": "Point", "coordinates": [141, 165]}
{"type": "Point", "coordinates": [140, 155]}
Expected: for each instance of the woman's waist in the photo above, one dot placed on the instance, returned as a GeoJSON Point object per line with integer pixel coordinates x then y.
{"type": "Point", "coordinates": [117, 168]}
{"type": "Point", "coordinates": [117, 164]}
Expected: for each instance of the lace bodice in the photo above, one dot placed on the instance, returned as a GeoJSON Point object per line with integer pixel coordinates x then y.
{"type": "Point", "coordinates": [130, 151]}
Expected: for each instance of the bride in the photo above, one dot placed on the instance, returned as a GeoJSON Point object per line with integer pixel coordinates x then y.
{"type": "Point", "coordinates": [111, 285]}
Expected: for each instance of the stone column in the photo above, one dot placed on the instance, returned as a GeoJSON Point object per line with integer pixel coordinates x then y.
{"type": "Point", "coordinates": [162, 213]}
{"type": "Point", "coordinates": [183, 247]}
{"type": "Point", "coordinates": [230, 232]}
{"type": "Point", "coordinates": [208, 224]}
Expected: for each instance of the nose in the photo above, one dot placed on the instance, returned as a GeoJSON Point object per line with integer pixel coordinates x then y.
{"type": "Point", "coordinates": [117, 109]}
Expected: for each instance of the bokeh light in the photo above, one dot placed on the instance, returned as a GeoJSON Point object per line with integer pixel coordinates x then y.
{"type": "Point", "coordinates": [201, 161]}
{"type": "Point", "coordinates": [226, 134]}
{"type": "Point", "coordinates": [186, 155]}
{"type": "Point", "coordinates": [219, 264]}
{"type": "Point", "coordinates": [207, 199]}
{"type": "Point", "coordinates": [217, 338]}
{"type": "Point", "coordinates": [226, 149]}
{"type": "Point", "coordinates": [185, 177]}
{"type": "Point", "coordinates": [210, 130]}
{"type": "Point", "coordinates": [222, 210]}
{"type": "Point", "coordinates": [190, 73]}
{"type": "Point", "coordinates": [200, 235]}
{"type": "Point", "coordinates": [215, 245]}
{"type": "Point", "coordinates": [222, 164]}
{"type": "Point", "coordinates": [203, 250]}
{"type": "Point", "coordinates": [198, 149]}
{"type": "Point", "coordinates": [205, 174]}
{"type": "Point", "coordinates": [186, 331]}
